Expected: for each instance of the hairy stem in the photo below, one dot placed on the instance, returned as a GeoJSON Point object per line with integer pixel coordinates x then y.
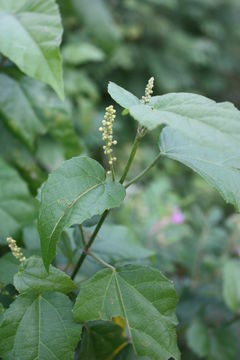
{"type": "Point", "coordinates": [139, 176]}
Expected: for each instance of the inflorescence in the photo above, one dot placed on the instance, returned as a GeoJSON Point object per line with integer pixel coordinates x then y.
{"type": "Point", "coordinates": [107, 135]}
{"type": "Point", "coordinates": [148, 91]}
{"type": "Point", "coordinates": [16, 251]}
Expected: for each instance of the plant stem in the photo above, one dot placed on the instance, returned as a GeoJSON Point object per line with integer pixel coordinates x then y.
{"type": "Point", "coordinates": [82, 235]}
{"type": "Point", "coordinates": [140, 133]}
{"type": "Point", "coordinates": [137, 139]}
{"type": "Point", "coordinates": [89, 244]}
{"type": "Point", "coordinates": [101, 261]}
{"type": "Point", "coordinates": [139, 176]}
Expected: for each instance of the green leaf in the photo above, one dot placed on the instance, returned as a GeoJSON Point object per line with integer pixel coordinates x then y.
{"type": "Point", "coordinates": [219, 168]}
{"type": "Point", "coordinates": [17, 112]}
{"type": "Point", "coordinates": [29, 109]}
{"type": "Point", "coordinates": [198, 338]}
{"type": "Point", "coordinates": [39, 327]}
{"type": "Point", "coordinates": [116, 243]}
{"type": "Point", "coordinates": [143, 297]}
{"type": "Point", "coordinates": [76, 191]}
{"type": "Point", "coordinates": [80, 53]}
{"type": "Point", "coordinates": [8, 268]}
{"type": "Point", "coordinates": [102, 341]}
{"type": "Point", "coordinates": [17, 207]}
{"type": "Point", "coordinates": [32, 276]}
{"type": "Point", "coordinates": [30, 35]}
{"type": "Point", "coordinates": [231, 285]}
{"type": "Point", "coordinates": [122, 96]}
{"type": "Point", "coordinates": [128, 354]}
{"type": "Point", "coordinates": [199, 129]}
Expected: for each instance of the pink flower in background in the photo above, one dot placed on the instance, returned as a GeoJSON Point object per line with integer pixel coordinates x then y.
{"type": "Point", "coordinates": [177, 217]}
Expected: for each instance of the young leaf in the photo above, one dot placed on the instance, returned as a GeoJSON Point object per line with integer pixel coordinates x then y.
{"type": "Point", "coordinates": [76, 191]}
{"type": "Point", "coordinates": [30, 36]}
{"type": "Point", "coordinates": [39, 327]}
{"type": "Point", "coordinates": [231, 285]}
{"type": "Point", "coordinates": [101, 341]}
{"type": "Point", "coordinates": [32, 276]}
{"type": "Point", "coordinates": [220, 168]}
{"type": "Point", "coordinates": [143, 297]}
{"type": "Point", "coordinates": [17, 207]}
{"type": "Point", "coordinates": [122, 96]}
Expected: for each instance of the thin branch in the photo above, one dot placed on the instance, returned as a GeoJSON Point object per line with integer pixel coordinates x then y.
{"type": "Point", "coordinates": [143, 173]}
{"type": "Point", "coordinates": [82, 235]}
{"type": "Point", "coordinates": [89, 244]}
{"type": "Point", "coordinates": [140, 133]}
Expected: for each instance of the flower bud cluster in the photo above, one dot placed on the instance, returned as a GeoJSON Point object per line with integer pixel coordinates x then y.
{"type": "Point", "coordinates": [148, 91]}
{"type": "Point", "coordinates": [107, 133]}
{"type": "Point", "coordinates": [16, 251]}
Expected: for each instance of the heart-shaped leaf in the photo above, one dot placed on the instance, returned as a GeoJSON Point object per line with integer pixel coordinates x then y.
{"type": "Point", "coordinates": [143, 297]}
{"type": "Point", "coordinates": [76, 191]}
{"type": "Point", "coordinates": [32, 276]}
{"type": "Point", "coordinates": [39, 327]}
{"type": "Point", "coordinates": [202, 134]}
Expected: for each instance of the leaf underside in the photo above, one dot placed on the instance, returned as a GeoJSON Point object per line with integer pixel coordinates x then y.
{"type": "Point", "coordinates": [200, 133]}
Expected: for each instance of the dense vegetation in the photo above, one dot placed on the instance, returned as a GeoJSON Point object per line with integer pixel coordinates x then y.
{"type": "Point", "coordinates": [127, 254]}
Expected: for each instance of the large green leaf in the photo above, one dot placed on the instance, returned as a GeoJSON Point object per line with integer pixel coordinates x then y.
{"type": "Point", "coordinates": [76, 191]}
{"type": "Point", "coordinates": [29, 109]}
{"type": "Point", "coordinates": [231, 284]}
{"type": "Point", "coordinates": [220, 168]}
{"type": "Point", "coordinates": [102, 341]}
{"type": "Point", "coordinates": [17, 207]}
{"type": "Point", "coordinates": [202, 134]}
{"type": "Point", "coordinates": [39, 327]}
{"type": "Point", "coordinates": [55, 115]}
{"type": "Point", "coordinates": [30, 35]}
{"type": "Point", "coordinates": [32, 276]}
{"type": "Point", "coordinates": [17, 112]}
{"type": "Point", "coordinates": [143, 297]}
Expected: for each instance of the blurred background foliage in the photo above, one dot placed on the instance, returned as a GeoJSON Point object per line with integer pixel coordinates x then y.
{"type": "Point", "coordinates": [172, 219]}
